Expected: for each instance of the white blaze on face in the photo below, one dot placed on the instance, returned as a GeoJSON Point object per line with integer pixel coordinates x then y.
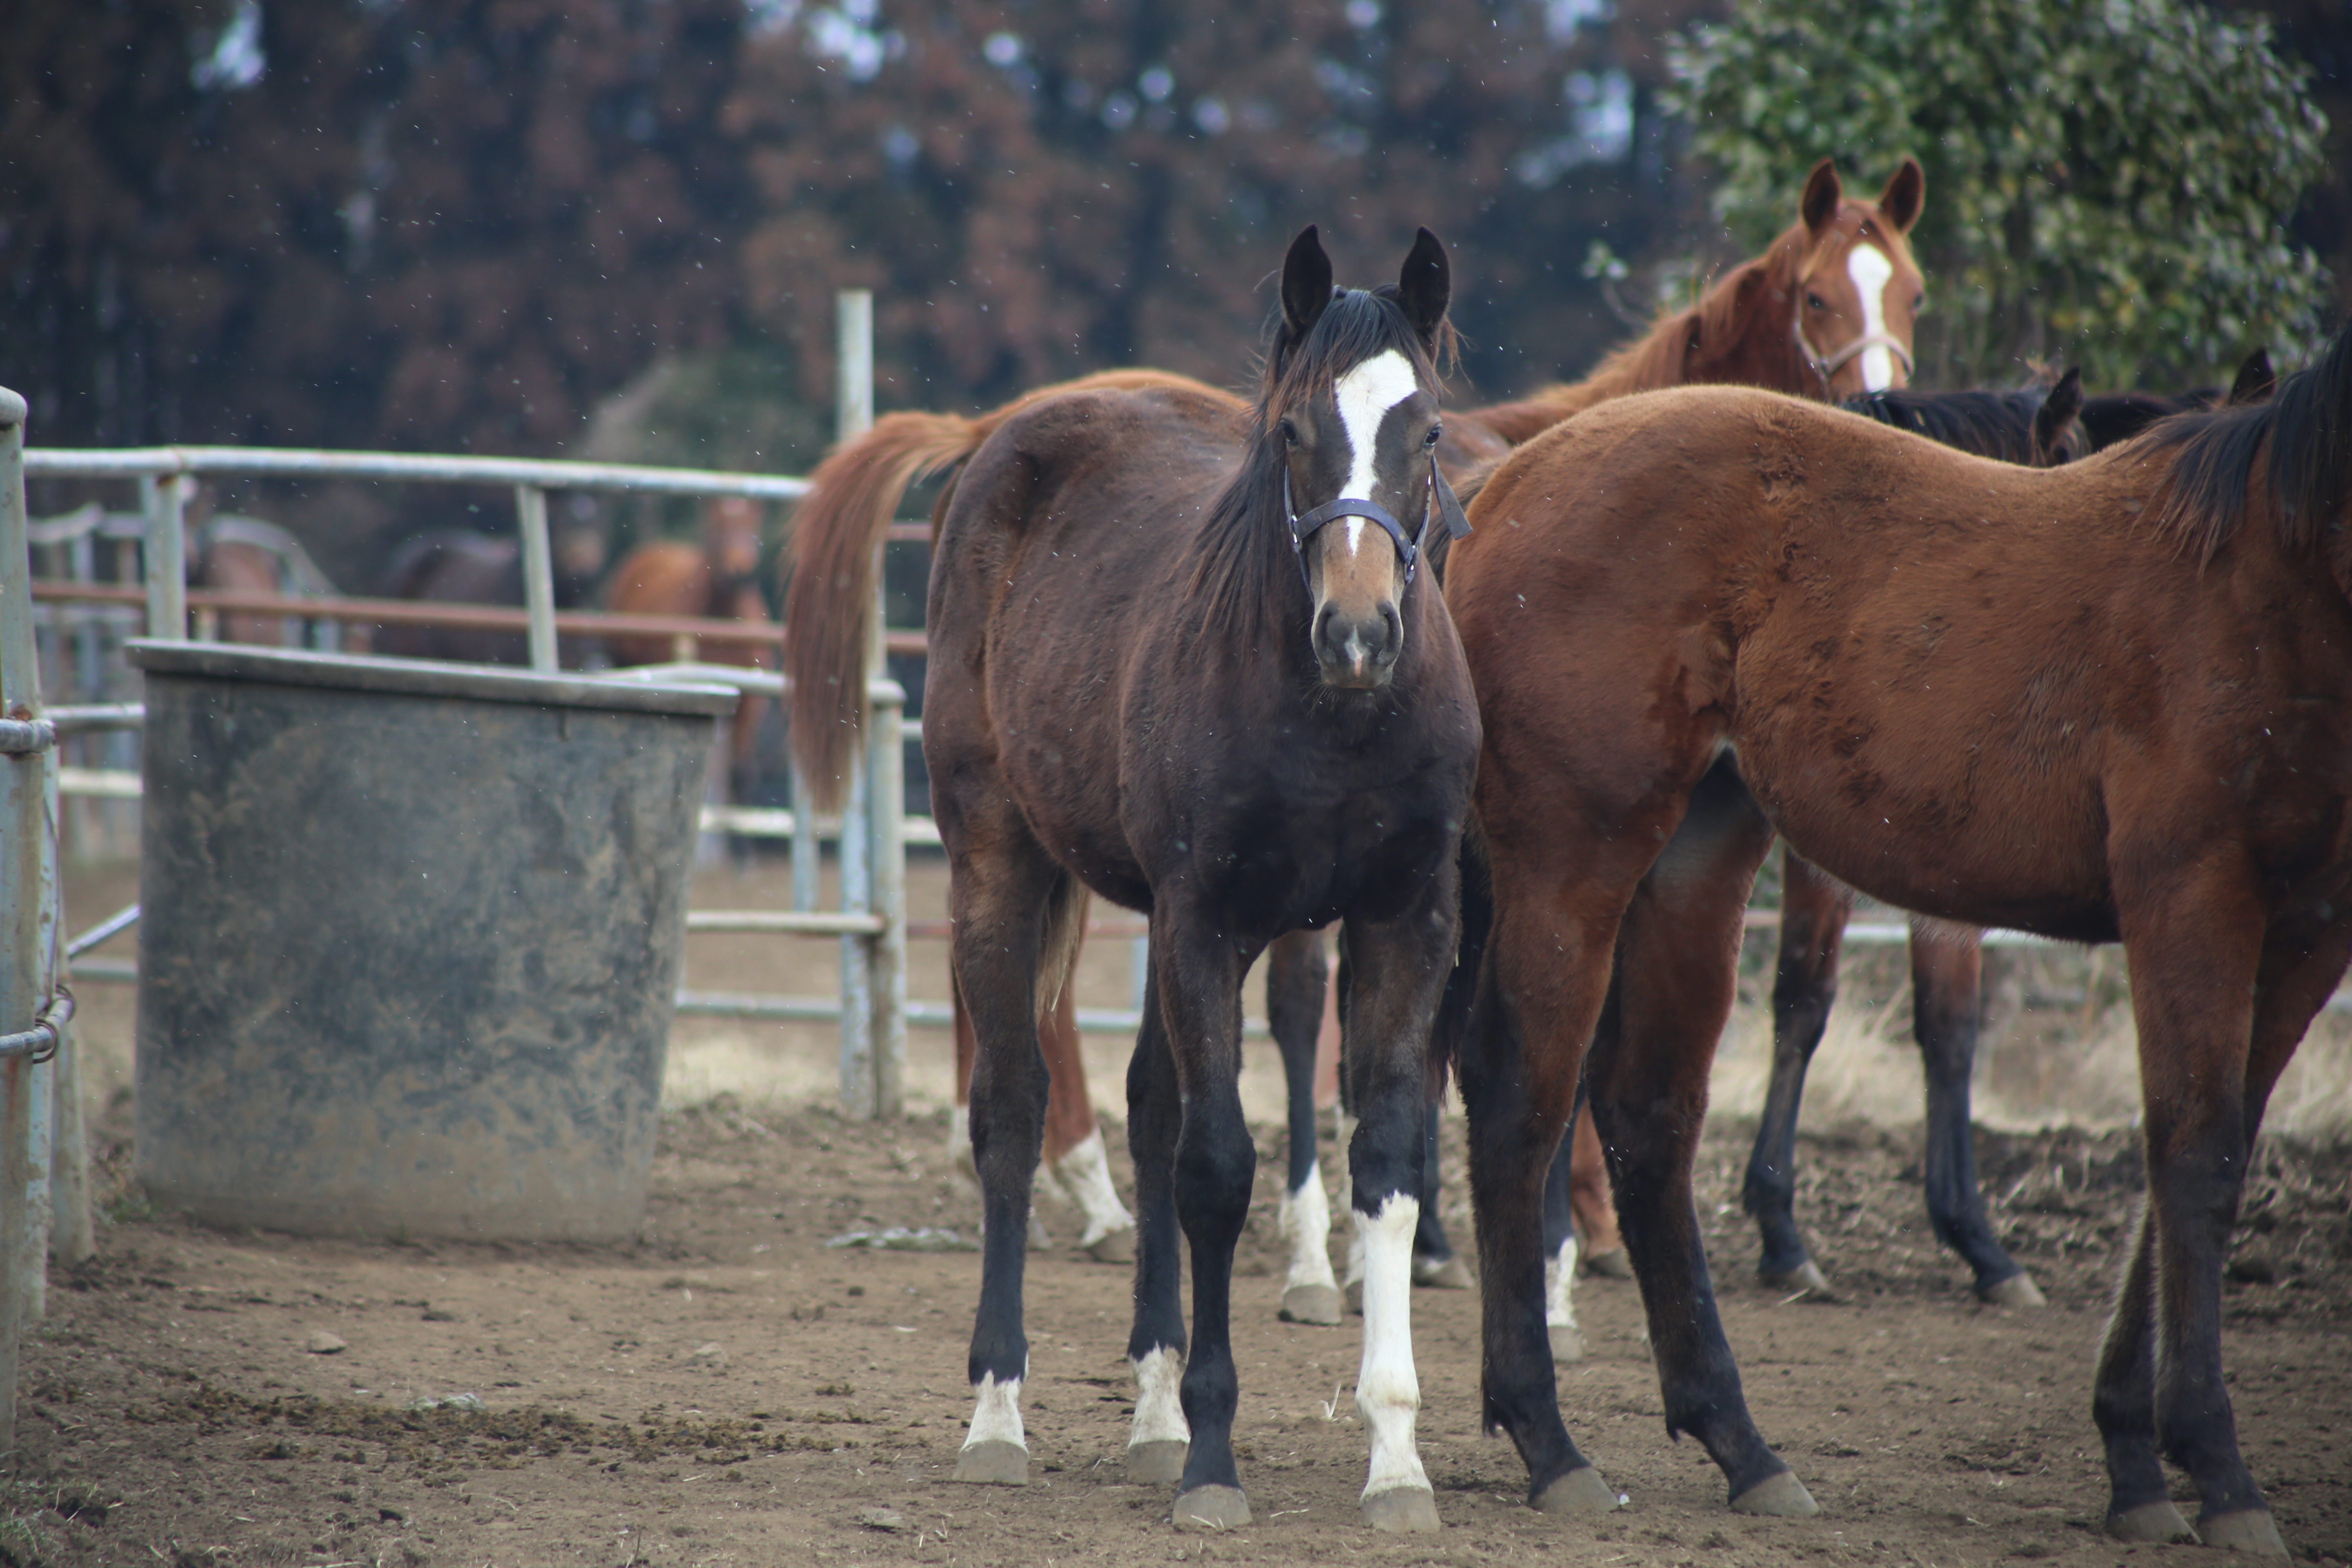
{"type": "Point", "coordinates": [1365, 396]}
{"type": "Point", "coordinates": [1871, 270]}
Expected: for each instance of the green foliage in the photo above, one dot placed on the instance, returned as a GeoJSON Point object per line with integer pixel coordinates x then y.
{"type": "Point", "coordinates": [2108, 181]}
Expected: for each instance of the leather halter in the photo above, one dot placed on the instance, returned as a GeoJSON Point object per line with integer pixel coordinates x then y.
{"type": "Point", "coordinates": [1827, 367]}
{"type": "Point", "coordinates": [1439, 503]}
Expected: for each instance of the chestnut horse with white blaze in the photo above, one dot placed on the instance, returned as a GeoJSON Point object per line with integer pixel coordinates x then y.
{"type": "Point", "coordinates": [1182, 654]}
{"type": "Point", "coordinates": [2109, 701]}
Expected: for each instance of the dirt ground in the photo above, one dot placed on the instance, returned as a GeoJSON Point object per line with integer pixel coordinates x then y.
{"type": "Point", "coordinates": [729, 1389]}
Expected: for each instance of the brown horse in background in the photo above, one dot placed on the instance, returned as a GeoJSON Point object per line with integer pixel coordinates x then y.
{"type": "Point", "coordinates": [717, 578]}
{"type": "Point", "coordinates": [1826, 311]}
{"type": "Point", "coordinates": [2106, 701]}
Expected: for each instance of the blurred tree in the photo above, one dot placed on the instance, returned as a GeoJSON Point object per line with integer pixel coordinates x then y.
{"type": "Point", "coordinates": [2108, 181]}
{"type": "Point", "coordinates": [1040, 189]}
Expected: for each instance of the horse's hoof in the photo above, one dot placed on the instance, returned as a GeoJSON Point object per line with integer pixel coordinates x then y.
{"type": "Point", "coordinates": [1806, 1277]}
{"type": "Point", "coordinates": [1581, 1490]}
{"type": "Point", "coordinates": [2248, 1529]}
{"type": "Point", "coordinates": [1778, 1497]}
{"type": "Point", "coordinates": [1212, 1508]}
{"type": "Point", "coordinates": [2017, 1290]}
{"type": "Point", "coordinates": [994, 1463]}
{"type": "Point", "coordinates": [1039, 1240]}
{"type": "Point", "coordinates": [1158, 1463]}
{"type": "Point", "coordinates": [1567, 1343]}
{"type": "Point", "coordinates": [1356, 1297]}
{"type": "Point", "coordinates": [1614, 1264]}
{"type": "Point", "coordinates": [2156, 1522]}
{"type": "Point", "coordinates": [1113, 1246]}
{"type": "Point", "coordinates": [1401, 1510]}
{"type": "Point", "coordinates": [1311, 1304]}
{"type": "Point", "coordinates": [1443, 1273]}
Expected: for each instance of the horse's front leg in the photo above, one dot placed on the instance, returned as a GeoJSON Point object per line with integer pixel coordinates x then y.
{"type": "Point", "coordinates": [1400, 967]}
{"type": "Point", "coordinates": [1297, 974]}
{"type": "Point", "coordinates": [1199, 974]}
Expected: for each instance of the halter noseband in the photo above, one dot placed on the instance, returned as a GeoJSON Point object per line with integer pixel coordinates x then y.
{"type": "Point", "coordinates": [1439, 503]}
{"type": "Point", "coordinates": [1827, 367]}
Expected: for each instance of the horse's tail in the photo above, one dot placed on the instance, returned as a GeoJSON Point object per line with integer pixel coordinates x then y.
{"type": "Point", "coordinates": [836, 552]}
{"type": "Point", "coordinates": [1066, 933]}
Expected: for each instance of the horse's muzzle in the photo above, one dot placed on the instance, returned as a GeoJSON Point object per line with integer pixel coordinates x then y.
{"type": "Point", "coordinates": [1359, 652]}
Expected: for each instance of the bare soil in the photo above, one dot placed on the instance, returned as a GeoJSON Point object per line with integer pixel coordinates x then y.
{"type": "Point", "coordinates": [731, 1390]}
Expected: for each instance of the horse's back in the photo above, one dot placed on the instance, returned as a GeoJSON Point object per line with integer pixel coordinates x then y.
{"type": "Point", "coordinates": [1936, 670]}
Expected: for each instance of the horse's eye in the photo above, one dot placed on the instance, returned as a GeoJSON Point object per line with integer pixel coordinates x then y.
{"type": "Point", "coordinates": [1435, 431]}
{"type": "Point", "coordinates": [1289, 434]}
{"type": "Point", "coordinates": [1918, 303]}
{"type": "Point", "coordinates": [1815, 300]}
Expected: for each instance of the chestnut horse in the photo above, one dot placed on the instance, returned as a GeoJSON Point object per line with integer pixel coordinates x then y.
{"type": "Point", "coordinates": [717, 577]}
{"type": "Point", "coordinates": [1826, 311]}
{"type": "Point", "coordinates": [1182, 656]}
{"type": "Point", "coordinates": [2109, 701]}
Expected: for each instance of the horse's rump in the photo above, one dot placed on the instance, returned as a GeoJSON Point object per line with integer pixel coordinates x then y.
{"type": "Point", "coordinates": [836, 559]}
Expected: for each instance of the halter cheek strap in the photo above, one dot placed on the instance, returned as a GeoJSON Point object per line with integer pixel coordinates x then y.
{"type": "Point", "coordinates": [1440, 505]}
{"type": "Point", "coordinates": [1827, 367]}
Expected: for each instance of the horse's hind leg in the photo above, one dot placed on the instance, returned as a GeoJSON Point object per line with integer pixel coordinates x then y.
{"type": "Point", "coordinates": [1075, 1155]}
{"type": "Point", "coordinates": [1000, 906]}
{"type": "Point", "coordinates": [1159, 1437]}
{"type": "Point", "coordinates": [1947, 967]}
{"type": "Point", "coordinates": [2160, 1389]}
{"type": "Point", "coordinates": [1678, 964]}
{"type": "Point", "coordinates": [1296, 974]}
{"type": "Point", "coordinates": [1813, 909]}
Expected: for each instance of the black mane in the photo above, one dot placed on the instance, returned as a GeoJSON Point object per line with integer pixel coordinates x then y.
{"type": "Point", "coordinates": [1988, 424]}
{"type": "Point", "coordinates": [2307, 427]}
{"type": "Point", "coordinates": [1245, 554]}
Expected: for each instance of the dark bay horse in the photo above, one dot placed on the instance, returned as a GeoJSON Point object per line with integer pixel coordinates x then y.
{"type": "Point", "coordinates": [1182, 654]}
{"type": "Point", "coordinates": [2114, 417]}
{"type": "Point", "coordinates": [459, 566]}
{"type": "Point", "coordinates": [2039, 429]}
{"type": "Point", "coordinates": [717, 577]}
{"type": "Point", "coordinates": [2109, 701]}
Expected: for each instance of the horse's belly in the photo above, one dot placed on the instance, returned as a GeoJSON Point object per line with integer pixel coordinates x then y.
{"type": "Point", "coordinates": [1945, 826]}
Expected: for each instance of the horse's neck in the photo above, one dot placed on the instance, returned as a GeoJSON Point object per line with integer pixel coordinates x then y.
{"type": "Point", "coordinates": [1529, 418]}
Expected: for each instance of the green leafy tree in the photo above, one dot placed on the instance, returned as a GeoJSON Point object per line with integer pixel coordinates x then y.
{"type": "Point", "coordinates": [2109, 182]}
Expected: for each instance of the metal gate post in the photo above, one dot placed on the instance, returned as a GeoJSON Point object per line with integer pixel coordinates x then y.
{"type": "Point", "coordinates": [21, 826]}
{"type": "Point", "coordinates": [164, 500]}
{"type": "Point", "coordinates": [854, 416]}
{"type": "Point", "coordinates": [538, 573]}
{"type": "Point", "coordinates": [886, 772]}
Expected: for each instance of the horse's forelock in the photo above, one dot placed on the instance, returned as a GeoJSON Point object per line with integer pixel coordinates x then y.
{"type": "Point", "coordinates": [1360, 324]}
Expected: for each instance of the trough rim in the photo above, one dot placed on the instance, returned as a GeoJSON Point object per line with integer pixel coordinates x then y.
{"type": "Point", "coordinates": [424, 678]}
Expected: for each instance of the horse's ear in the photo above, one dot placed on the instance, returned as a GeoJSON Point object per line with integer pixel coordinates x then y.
{"type": "Point", "coordinates": [1306, 283]}
{"type": "Point", "coordinates": [1424, 288]}
{"type": "Point", "coordinates": [1904, 197]}
{"type": "Point", "coordinates": [2056, 417]}
{"type": "Point", "coordinates": [2256, 381]}
{"type": "Point", "coordinates": [1822, 194]}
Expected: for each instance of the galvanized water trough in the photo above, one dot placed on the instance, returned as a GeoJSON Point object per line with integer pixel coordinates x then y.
{"type": "Point", "coordinates": [410, 940]}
